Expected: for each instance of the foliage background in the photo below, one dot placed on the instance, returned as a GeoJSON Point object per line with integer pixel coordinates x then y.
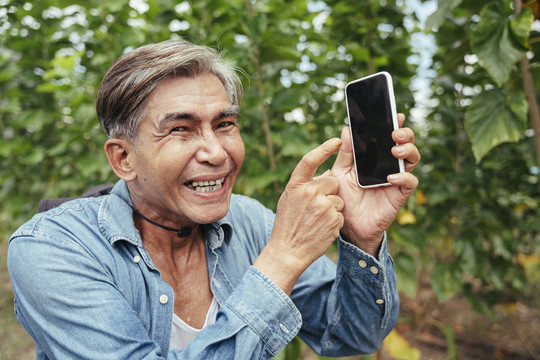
{"type": "Point", "coordinates": [473, 226]}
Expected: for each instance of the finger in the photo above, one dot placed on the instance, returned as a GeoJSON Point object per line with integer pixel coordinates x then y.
{"type": "Point", "coordinates": [337, 202]}
{"type": "Point", "coordinates": [401, 119]}
{"type": "Point", "coordinates": [409, 153]}
{"type": "Point", "coordinates": [406, 181]}
{"type": "Point", "coordinates": [307, 167]}
{"type": "Point", "coordinates": [403, 135]}
{"type": "Point", "coordinates": [341, 221]}
{"type": "Point", "coordinates": [345, 156]}
{"type": "Point", "coordinates": [336, 221]}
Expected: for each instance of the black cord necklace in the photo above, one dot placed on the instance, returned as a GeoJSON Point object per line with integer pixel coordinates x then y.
{"type": "Point", "coordinates": [182, 232]}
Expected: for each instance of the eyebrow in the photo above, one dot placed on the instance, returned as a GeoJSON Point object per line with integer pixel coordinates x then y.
{"type": "Point", "coordinates": [233, 110]}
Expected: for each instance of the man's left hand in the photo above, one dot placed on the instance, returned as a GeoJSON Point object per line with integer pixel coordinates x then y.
{"type": "Point", "coordinates": [369, 212]}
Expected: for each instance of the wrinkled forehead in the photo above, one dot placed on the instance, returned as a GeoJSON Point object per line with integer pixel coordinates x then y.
{"type": "Point", "coordinates": [193, 97]}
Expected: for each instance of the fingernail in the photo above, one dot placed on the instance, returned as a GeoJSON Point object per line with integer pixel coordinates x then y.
{"type": "Point", "coordinates": [392, 177]}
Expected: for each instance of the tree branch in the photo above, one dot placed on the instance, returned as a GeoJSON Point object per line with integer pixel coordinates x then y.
{"type": "Point", "coordinates": [530, 96]}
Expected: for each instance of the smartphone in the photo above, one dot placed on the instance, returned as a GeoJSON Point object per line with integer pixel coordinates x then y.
{"type": "Point", "coordinates": [372, 118]}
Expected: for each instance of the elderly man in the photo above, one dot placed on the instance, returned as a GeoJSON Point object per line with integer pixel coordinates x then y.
{"type": "Point", "coordinates": [172, 264]}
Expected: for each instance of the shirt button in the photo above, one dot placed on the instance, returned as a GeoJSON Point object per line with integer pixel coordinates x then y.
{"type": "Point", "coordinates": [379, 301]}
{"type": "Point", "coordinates": [136, 259]}
{"type": "Point", "coordinates": [374, 270]}
{"type": "Point", "coordinates": [362, 263]}
{"type": "Point", "coordinates": [163, 299]}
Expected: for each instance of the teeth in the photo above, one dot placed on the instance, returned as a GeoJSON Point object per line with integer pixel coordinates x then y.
{"type": "Point", "coordinates": [206, 186]}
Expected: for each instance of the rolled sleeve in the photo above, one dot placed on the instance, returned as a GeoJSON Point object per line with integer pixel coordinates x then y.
{"type": "Point", "coordinates": [266, 309]}
{"type": "Point", "coordinates": [256, 322]}
{"type": "Point", "coordinates": [360, 297]}
{"type": "Point", "coordinates": [382, 296]}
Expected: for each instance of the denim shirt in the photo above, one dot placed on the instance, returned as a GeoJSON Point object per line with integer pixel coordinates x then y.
{"type": "Point", "coordinates": [85, 288]}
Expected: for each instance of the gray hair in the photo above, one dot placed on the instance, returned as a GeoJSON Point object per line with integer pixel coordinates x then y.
{"type": "Point", "coordinates": [127, 85]}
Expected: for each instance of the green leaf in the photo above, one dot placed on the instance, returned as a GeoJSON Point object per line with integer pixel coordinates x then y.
{"type": "Point", "coordinates": [293, 350]}
{"type": "Point", "coordinates": [446, 280]}
{"type": "Point", "coordinates": [113, 5]}
{"type": "Point", "coordinates": [450, 337]}
{"type": "Point", "coordinates": [410, 235]}
{"type": "Point", "coordinates": [444, 7]}
{"type": "Point", "coordinates": [494, 118]}
{"type": "Point", "coordinates": [33, 158]}
{"type": "Point", "coordinates": [288, 99]}
{"type": "Point", "coordinates": [259, 182]}
{"type": "Point", "coordinates": [494, 41]}
{"type": "Point", "coordinates": [296, 149]}
{"type": "Point", "coordinates": [500, 248]}
{"type": "Point", "coordinates": [520, 27]}
{"type": "Point", "coordinates": [406, 272]}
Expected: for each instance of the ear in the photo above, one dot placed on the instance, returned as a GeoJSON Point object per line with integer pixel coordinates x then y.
{"type": "Point", "coordinates": [121, 156]}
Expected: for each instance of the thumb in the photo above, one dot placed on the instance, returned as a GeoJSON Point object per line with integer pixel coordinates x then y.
{"type": "Point", "coordinates": [344, 158]}
{"type": "Point", "coordinates": [307, 167]}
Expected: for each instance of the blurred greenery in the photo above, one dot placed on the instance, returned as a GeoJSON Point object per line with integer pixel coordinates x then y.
{"type": "Point", "coordinates": [473, 224]}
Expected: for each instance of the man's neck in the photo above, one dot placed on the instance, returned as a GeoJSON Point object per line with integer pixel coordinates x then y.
{"type": "Point", "coordinates": [165, 244]}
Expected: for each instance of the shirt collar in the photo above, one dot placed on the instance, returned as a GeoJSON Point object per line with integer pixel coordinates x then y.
{"type": "Point", "coordinates": [116, 220]}
{"type": "Point", "coordinates": [116, 216]}
{"type": "Point", "coordinates": [217, 232]}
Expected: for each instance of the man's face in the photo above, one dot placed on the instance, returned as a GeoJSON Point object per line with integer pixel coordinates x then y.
{"type": "Point", "coordinates": [188, 152]}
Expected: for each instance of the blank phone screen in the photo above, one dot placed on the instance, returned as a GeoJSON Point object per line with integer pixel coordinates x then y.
{"type": "Point", "coordinates": [370, 117]}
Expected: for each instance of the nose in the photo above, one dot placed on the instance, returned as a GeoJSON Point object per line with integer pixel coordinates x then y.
{"type": "Point", "coordinates": [211, 151]}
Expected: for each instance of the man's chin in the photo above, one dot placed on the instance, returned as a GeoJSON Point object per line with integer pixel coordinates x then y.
{"type": "Point", "coordinates": [207, 208]}
{"type": "Point", "coordinates": [205, 216]}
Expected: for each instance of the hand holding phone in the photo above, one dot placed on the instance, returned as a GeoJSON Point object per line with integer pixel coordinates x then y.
{"type": "Point", "coordinates": [372, 118]}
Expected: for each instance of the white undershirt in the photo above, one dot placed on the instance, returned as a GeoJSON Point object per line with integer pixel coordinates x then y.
{"type": "Point", "coordinates": [182, 333]}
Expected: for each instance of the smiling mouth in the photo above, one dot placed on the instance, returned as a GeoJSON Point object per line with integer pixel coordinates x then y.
{"type": "Point", "coordinates": [206, 186]}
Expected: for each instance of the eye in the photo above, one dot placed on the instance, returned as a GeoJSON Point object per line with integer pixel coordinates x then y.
{"type": "Point", "coordinates": [225, 124]}
{"type": "Point", "coordinates": [179, 129]}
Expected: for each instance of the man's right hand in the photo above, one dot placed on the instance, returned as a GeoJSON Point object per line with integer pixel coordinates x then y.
{"type": "Point", "coordinates": [308, 220]}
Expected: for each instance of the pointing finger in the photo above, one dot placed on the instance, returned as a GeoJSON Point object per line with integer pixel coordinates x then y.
{"type": "Point", "coordinates": [307, 167]}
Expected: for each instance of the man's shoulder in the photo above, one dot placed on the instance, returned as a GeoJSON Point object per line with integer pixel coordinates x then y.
{"type": "Point", "coordinates": [95, 214]}
{"type": "Point", "coordinates": [67, 217]}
